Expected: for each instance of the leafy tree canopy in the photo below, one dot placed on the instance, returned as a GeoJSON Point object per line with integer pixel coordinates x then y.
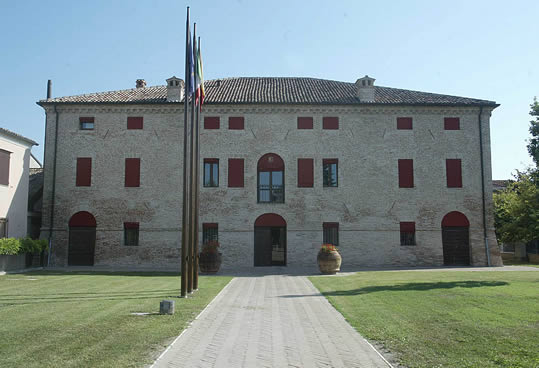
{"type": "Point", "coordinates": [533, 143]}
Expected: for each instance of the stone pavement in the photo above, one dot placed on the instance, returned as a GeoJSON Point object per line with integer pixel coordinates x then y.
{"type": "Point", "coordinates": [270, 321]}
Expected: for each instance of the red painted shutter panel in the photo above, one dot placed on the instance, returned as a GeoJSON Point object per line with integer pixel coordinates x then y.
{"type": "Point", "coordinates": [84, 172]}
{"type": "Point", "coordinates": [404, 123]}
{"type": "Point", "coordinates": [211, 122]}
{"type": "Point", "coordinates": [407, 227]}
{"type": "Point", "coordinates": [236, 123]}
{"type": "Point", "coordinates": [135, 122]}
{"type": "Point", "coordinates": [132, 172]}
{"type": "Point", "coordinates": [4, 167]}
{"type": "Point", "coordinates": [330, 122]}
{"type": "Point", "coordinates": [131, 225]}
{"type": "Point", "coordinates": [305, 172]}
{"type": "Point", "coordinates": [210, 225]}
{"type": "Point", "coordinates": [329, 225]}
{"type": "Point", "coordinates": [406, 173]}
{"type": "Point", "coordinates": [452, 123]}
{"type": "Point", "coordinates": [235, 172]}
{"type": "Point", "coordinates": [305, 122]}
{"type": "Point", "coordinates": [454, 173]}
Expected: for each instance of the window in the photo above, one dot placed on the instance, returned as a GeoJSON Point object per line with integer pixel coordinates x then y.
{"type": "Point", "coordinates": [236, 123]}
{"type": "Point", "coordinates": [210, 232]}
{"type": "Point", "coordinates": [305, 122]}
{"type": "Point", "coordinates": [4, 167]}
{"type": "Point", "coordinates": [84, 172]}
{"type": "Point", "coordinates": [86, 123]}
{"type": "Point", "coordinates": [132, 172]}
{"type": "Point", "coordinates": [453, 169]}
{"type": "Point", "coordinates": [131, 233]}
{"type": "Point", "coordinates": [3, 227]}
{"type": "Point", "coordinates": [407, 233]}
{"type": "Point", "coordinates": [211, 172]}
{"type": "Point", "coordinates": [452, 123]}
{"type": "Point", "coordinates": [330, 171]}
{"type": "Point", "coordinates": [331, 233]}
{"type": "Point", "coordinates": [235, 172]}
{"type": "Point", "coordinates": [270, 179]}
{"type": "Point", "coordinates": [211, 122]}
{"type": "Point", "coordinates": [404, 123]}
{"type": "Point", "coordinates": [406, 173]}
{"type": "Point", "coordinates": [305, 172]}
{"type": "Point", "coordinates": [135, 122]}
{"type": "Point", "coordinates": [330, 122]}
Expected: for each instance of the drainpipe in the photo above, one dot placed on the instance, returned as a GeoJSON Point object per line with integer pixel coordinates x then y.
{"type": "Point", "coordinates": [483, 184]}
{"type": "Point", "coordinates": [53, 184]}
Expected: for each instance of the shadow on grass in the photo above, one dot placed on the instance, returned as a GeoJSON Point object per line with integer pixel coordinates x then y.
{"type": "Point", "coordinates": [412, 286]}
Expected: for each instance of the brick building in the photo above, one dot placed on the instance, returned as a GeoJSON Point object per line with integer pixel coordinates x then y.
{"type": "Point", "coordinates": [391, 176]}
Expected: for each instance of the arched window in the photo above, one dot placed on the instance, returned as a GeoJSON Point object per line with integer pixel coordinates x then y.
{"type": "Point", "coordinates": [270, 179]}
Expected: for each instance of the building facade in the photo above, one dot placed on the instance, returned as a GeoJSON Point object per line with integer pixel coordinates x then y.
{"type": "Point", "coordinates": [14, 176]}
{"type": "Point", "coordinates": [390, 176]}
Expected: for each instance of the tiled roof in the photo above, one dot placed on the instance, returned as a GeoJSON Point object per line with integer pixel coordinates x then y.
{"type": "Point", "coordinates": [498, 185]}
{"type": "Point", "coordinates": [251, 90]}
{"type": "Point", "coordinates": [17, 136]}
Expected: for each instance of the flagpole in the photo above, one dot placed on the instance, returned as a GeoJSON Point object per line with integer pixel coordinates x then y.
{"type": "Point", "coordinates": [197, 167]}
{"type": "Point", "coordinates": [185, 204]}
{"type": "Point", "coordinates": [192, 172]}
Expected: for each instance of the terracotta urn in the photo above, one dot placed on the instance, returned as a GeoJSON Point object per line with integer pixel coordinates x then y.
{"type": "Point", "coordinates": [210, 258]}
{"type": "Point", "coordinates": [329, 260]}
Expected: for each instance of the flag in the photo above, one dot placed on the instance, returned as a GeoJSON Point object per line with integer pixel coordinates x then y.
{"type": "Point", "coordinates": [200, 78]}
{"type": "Point", "coordinates": [191, 66]}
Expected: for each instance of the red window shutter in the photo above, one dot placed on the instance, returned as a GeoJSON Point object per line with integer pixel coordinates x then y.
{"type": "Point", "coordinates": [328, 161]}
{"type": "Point", "coordinates": [86, 119]}
{"type": "Point", "coordinates": [236, 123]}
{"type": "Point", "coordinates": [404, 123]}
{"type": "Point", "coordinates": [84, 172]}
{"type": "Point", "coordinates": [135, 122]}
{"type": "Point", "coordinates": [131, 225]}
{"type": "Point", "coordinates": [211, 122]}
{"type": "Point", "coordinates": [209, 225]}
{"type": "Point", "coordinates": [452, 123]}
{"type": "Point", "coordinates": [330, 122]}
{"type": "Point", "coordinates": [407, 227]}
{"type": "Point", "coordinates": [132, 172]}
{"type": "Point", "coordinates": [211, 160]}
{"type": "Point", "coordinates": [305, 122]}
{"type": "Point", "coordinates": [406, 173]}
{"type": "Point", "coordinates": [305, 172]}
{"type": "Point", "coordinates": [235, 172]}
{"type": "Point", "coordinates": [454, 173]}
{"type": "Point", "coordinates": [4, 167]}
{"type": "Point", "coordinates": [329, 225]}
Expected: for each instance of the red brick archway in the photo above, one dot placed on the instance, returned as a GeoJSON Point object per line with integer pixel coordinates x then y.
{"type": "Point", "coordinates": [270, 240]}
{"type": "Point", "coordinates": [456, 239]}
{"type": "Point", "coordinates": [82, 226]}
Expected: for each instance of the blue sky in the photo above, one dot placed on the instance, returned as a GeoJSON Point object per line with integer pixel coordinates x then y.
{"type": "Point", "coordinates": [482, 49]}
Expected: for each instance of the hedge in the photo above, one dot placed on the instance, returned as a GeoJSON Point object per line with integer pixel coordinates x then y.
{"type": "Point", "coordinates": [11, 246]}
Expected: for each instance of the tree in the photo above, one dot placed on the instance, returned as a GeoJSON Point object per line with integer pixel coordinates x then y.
{"type": "Point", "coordinates": [533, 143]}
{"type": "Point", "coordinates": [517, 210]}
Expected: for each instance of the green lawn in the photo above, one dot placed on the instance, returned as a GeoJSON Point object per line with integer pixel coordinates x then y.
{"type": "Point", "coordinates": [444, 319]}
{"type": "Point", "coordinates": [53, 319]}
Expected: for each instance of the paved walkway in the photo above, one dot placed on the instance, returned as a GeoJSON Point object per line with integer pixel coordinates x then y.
{"type": "Point", "coordinates": [270, 321]}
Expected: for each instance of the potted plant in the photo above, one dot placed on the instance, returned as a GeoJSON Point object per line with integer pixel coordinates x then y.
{"type": "Point", "coordinates": [329, 259]}
{"type": "Point", "coordinates": [210, 258]}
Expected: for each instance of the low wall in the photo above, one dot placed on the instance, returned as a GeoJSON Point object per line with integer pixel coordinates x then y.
{"type": "Point", "coordinates": [533, 258]}
{"type": "Point", "coordinates": [12, 263]}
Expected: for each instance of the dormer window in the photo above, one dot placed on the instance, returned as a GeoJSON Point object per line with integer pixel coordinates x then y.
{"type": "Point", "coordinates": [86, 123]}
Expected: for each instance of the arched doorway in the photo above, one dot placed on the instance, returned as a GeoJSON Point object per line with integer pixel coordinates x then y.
{"type": "Point", "coordinates": [456, 239]}
{"type": "Point", "coordinates": [81, 239]}
{"type": "Point", "coordinates": [270, 179]}
{"type": "Point", "coordinates": [270, 240]}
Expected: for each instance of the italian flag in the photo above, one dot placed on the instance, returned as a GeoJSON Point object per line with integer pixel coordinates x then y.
{"type": "Point", "coordinates": [199, 78]}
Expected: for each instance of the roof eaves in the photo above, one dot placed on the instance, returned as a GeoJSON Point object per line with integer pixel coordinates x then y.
{"type": "Point", "coordinates": [18, 136]}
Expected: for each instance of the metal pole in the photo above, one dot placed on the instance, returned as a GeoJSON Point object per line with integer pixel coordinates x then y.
{"type": "Point", "coordinates": [192, 174]}
{"type": "Point", "coordinates": [185, 204]}
{"type": "Point", "coordinates": [197, 171]}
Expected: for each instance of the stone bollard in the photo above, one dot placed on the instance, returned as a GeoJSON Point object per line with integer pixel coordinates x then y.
{"type": "Point", "coordinates": [166, 307]}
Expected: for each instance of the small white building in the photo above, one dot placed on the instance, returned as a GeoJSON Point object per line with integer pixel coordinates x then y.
{"type": "Point", "coordinates": [14, 173]}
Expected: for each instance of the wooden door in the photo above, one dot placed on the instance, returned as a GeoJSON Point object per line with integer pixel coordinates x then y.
{"type": "Point", "coordinates": [81, 246]}
{"type": "Point", "coordinates": [262, 246]}
{"type": "Point", "coordinates": [456, 246]}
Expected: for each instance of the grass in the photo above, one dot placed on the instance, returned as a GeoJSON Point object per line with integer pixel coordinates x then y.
{"type": "Point", "coordinates": [73, 319]}
{"type": "Point", "coordinates": [444, 319]}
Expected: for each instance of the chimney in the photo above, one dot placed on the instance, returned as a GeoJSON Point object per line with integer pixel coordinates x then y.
{"type": "Point", "coordinates": [174, 89]}
{"type": "Point", "coordinates": [365, 89]}
{"type": "Point", "coordinates": [141, 83]}
{"type": "Point", "coordinates": [49, 89]}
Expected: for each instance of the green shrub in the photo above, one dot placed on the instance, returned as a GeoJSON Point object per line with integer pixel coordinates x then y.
{"type": "Point", "coordinates": [9, 246]}
{"type": "Point", "coordinates": [29, 245]}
